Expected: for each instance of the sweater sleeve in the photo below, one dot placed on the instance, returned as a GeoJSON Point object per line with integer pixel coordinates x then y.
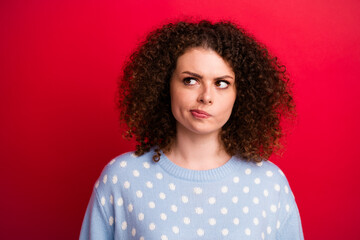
{"type": "Point", "coordinates": [291, 228]}
{"type": "Point", "coordinates": [289, 217]}
{"type": "Point", "coordinates": [96, 224]}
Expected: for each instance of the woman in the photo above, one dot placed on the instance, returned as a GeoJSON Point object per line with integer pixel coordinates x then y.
{"type": "Point", "coordinates": [204, 102]}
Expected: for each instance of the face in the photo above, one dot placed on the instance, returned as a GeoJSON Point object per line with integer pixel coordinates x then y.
{"type": "Point", "coordinates": [202, 91]}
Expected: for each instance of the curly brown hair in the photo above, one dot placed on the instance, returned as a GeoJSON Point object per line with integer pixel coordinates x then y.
{"type": "Point", "coordinates": [263, 90]}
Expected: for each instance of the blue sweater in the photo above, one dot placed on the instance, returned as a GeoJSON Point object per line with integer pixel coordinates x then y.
{"type": "Point", "coordinates": [136, 198]}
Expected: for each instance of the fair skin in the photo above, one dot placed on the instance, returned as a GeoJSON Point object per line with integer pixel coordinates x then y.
{"type": "Point", "coordinates": [203, 92]}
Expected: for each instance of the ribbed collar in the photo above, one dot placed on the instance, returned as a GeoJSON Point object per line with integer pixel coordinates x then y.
{"type": "Point", "coordinates": [200, 175]}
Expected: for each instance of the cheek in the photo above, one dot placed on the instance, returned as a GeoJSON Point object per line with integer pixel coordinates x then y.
{"type": "Point", "coordinates": [178, 106]}
{"type": "Point", "coordinates": [180, 99]}
{"type": "Point", "coordinates": [227, 109]}
{"type": "Point", "coordinates": [176, 103]}
{"type": "Point", "coordinates": [232, 99]}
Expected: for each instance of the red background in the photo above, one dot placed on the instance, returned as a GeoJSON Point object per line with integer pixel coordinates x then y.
{"type": "Point", "coordinates": [59, 63]}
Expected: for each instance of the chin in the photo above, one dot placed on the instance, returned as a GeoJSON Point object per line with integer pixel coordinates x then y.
{"type": "Point", "coordinates": [205, 131]}
{"type": "Point", "coordinates": [199, 128]}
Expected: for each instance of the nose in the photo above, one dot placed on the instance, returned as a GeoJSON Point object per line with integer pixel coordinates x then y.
{"type": "Point", "coordinates": [205, 95]}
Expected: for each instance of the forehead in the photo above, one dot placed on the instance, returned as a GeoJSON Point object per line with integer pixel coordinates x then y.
{"type": "Point", "coordinates": [203, 60]}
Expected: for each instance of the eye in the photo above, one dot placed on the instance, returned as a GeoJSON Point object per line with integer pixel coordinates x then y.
{"type": "Point", "coordinates": [189, 81]}
{"type": "Point", "coordinates": [222, 84]}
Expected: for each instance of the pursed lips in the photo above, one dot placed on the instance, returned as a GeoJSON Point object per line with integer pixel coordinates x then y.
{"type": "Point", "coordinates": [199, 113]}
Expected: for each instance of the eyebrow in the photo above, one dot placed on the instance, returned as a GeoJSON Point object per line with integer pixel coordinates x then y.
{"type": "Point", "coordinates": [199, 76]}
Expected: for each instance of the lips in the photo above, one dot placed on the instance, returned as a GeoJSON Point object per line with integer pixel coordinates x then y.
{"type": "Point", "coordinates": [200, 114]}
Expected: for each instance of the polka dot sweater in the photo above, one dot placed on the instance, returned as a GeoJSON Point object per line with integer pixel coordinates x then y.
{"type": "Point", "coordinates": [136, 198]}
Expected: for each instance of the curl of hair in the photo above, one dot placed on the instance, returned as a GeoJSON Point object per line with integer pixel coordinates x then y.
{"type": "Point", "coordinates": [263, 90]}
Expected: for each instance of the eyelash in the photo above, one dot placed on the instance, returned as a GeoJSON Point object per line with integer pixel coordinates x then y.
{"type": "Point", "coordinates": [227, 83]}
{"type": "Point", "coordinates": [188, 79]}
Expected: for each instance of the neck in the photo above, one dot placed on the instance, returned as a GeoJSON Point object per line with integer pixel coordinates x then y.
{"type": "Point", "coordinates": [198, 152]}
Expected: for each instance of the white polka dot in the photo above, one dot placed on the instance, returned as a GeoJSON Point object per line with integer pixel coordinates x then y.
{"type": "Point", "coordinates": [259, 164]}
{"type": "Point", "coordinates": [245, 209]}
{"type": "Point", "coordinates": [287, 207]}
{"type": "Point", "coordinates": [114, 179]}
{"type": "Point", "coordinates": [133, 232]}
{"type": "Point", "coordinates": [111, 221]}
{"type": "Point", "coordinates": [172, 187]}
{"type": "Point", "coordinates": [152, 226]}
{"type": "Point", "coordinates": [212, 221]}
{"type": "Point", "coordinates": [225, 232]}
{"type": "Point", "coordinates": [286, 189]}
{"type": "Point", "coordinates": [139, 194]}
{"type": "Point", "coordinates": [151, 205]}
{"type": "Point", "coordinates": [269, 173]}
{"type": "Point", "coordinates": [235, 199]}
{"type": "Point", "coordinates": [175, 229]}
{"type": "Point", "coordinates": [173, 208]}
{"type": "Point", "coordinates": [141, 216]}
{"type": "Point", "coordinates": [97, 184]}
{"type": "Point", "coordinates": [186, 220]}
{"type": "Point", "coordinates": [224, 210]}
{"type": "Point", "coordinates": [256, 200]}
{"type": "Point", "coordinates": [199, 210]}
{"type": "Point", "coordinates": [149, 184]}
{"type": "Point", "coordinates": [246, 189]}
{"type": "Point", "coordinates": [141, 238]}
{"type": "Point", "coordinates": [273, 208]}
{"type": "Point", "coordinates": [105, 179]}
{"type": "Point", "coordinates": [159, 176]}
{"type": "Point", "coordinates": [257, 181]}
{"type": "Point", "coordinates": [247, 231]}
{"type": "Point", "coordinates": [197, 190]}
{"type": "Point", "coordinates": [277, 187]}
{"type": "Point", "coordinates": [136, 173]}
{"type": "Point", "coordinates": [126, 184]}
{"type": "Point", "coordinates": [103, 201]}
{"type": "Point", "coordinates": [120, 201]}
{"type": "Point", "coordinates": [112, 161]}
{"type": "Point", "coordinates": [123, 225]}
{"type": "Point", "coordinates": [247, 171]}
{"type": "Point", "coordinates": [266, 193]}
{"type": "Point", "coordinates": [164, 237]}
{"type": "Point", "coordinates": [163, 216]}
{"type": "Point", "coordinates": [236, 221]}
{"type": "Point", "coordinates": [224, 189]}
{"type": "Point", "coordinates": [268, 229]}
{"type": "Point", "coordinates": [130, 207]}
{"type": "Point", "coordinates": [263, 214]}
{"type": "Point", "coordinates": [256, 221]}
{"type": "Point", "coordinates": [133, 155]}
{"type": "Point", "coordinates": [162, 195]}
{"type": "Point", "coordinates": [262, 236]}
{"type": "Point", "coordinates": [200, 232]}
{"type": "Point", "coordinates": [111, 199]}
{"type": "Point", "coordinates": [212, 200]}
{"type": "Point", "coordinates": [184, 199]}
{"type": "Point", "coordinates": [277, 224]}
{"type": "Point", "coordinates": [281, 172]}
{"type": "Point", "coordinates": [123, 164]}
{"type": "Point", "coordinates": [236, 179]}
{"type": "Point", "coordinates": [146, 165]}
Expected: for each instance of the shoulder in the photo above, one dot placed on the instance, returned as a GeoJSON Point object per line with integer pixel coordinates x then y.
{"type": "Point", "coordinates": [122, 163]}
{"type": "Point", "coordinates": [271, 170]}
{"type": "Point", "coordinates": [263, 168]}
{"type": "Point", "coordinates": [267, 170]}
{"type": "Point", "coordinates": [266, 176]}
{"type": "Point", "coordinates": [121, 168]}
